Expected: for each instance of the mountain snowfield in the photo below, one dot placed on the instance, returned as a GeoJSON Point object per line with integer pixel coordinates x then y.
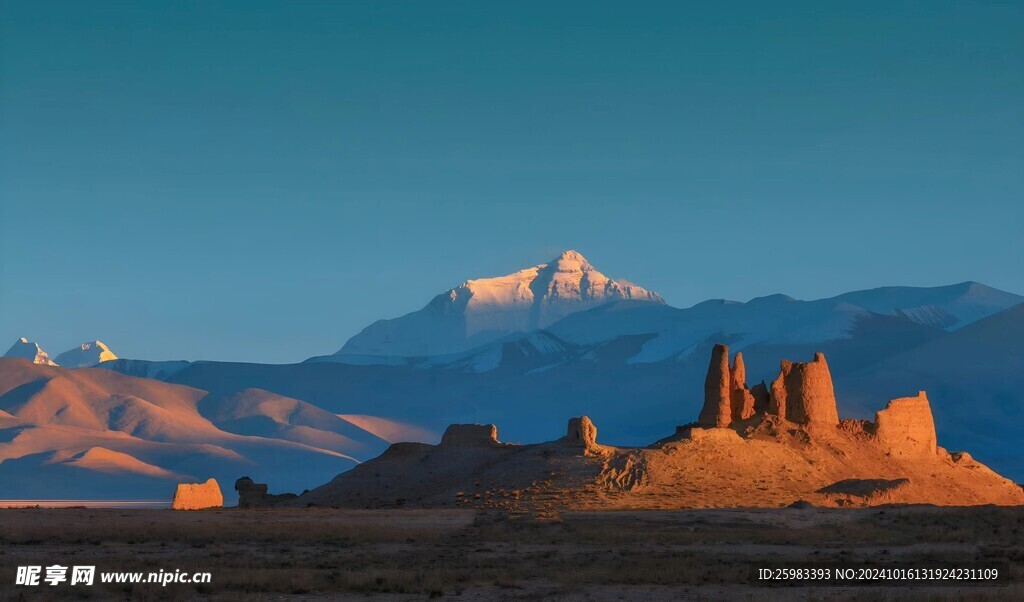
{"type": "Point", "coordinates": [779, 320]}
{"type": "Point", "coordinates": [486, 309]}
{"type": "Point", "coordinates": [29, 350]}
{"type": "Point", "coordinates": [861, 326]}
{"type": "Point", "coordinates": [86, 355]}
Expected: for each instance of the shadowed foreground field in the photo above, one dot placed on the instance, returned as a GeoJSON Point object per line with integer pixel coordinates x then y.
{"type": "Point", "coordinates": [416, 554]}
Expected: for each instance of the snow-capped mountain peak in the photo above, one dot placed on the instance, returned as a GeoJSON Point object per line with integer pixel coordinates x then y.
{"type": "Point", "coordinates": [565, 280]}
{"type": "Point", "coordinates": [86, 355]}
{"type": "Point", "coordinates": [486, 309]}
{"type": "Point", "coordinates": [29, 350]}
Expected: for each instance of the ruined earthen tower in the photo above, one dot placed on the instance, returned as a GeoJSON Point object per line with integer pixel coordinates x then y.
{"type": "Point", "coordinates": [803, 393]}
{"type": "Point", "coordinates": [717, 409]}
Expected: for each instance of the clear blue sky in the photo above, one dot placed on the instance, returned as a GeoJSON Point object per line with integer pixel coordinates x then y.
{"type": "Point", "coordinates": [258, 181]}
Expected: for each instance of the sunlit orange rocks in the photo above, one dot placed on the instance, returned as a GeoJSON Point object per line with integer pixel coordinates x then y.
{"type": "Point", "coordinates": [581, 432]}
{"type": "Point", "coordinates": [792, 449]}
{"type": "Point", "coordinates": [717, 410]}
{"type": "Point", "coordinates": [906, 428]}
{"type": "Point", "coordinates": [726, 396]}
{"type": "Point", "coordinates": [803, 393]}
{"type": "Point", "coordinates": [196, 496]}
{"type": "Point", "coordinates": [742, 399]}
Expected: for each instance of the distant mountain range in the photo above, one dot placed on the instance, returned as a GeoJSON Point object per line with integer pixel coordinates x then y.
{"type": "Point", "coordinates": [86, 355]}
{"type": "Point", "coordinates": [525, 351]}
{"type": "Point", "coordinates": [31, 351]}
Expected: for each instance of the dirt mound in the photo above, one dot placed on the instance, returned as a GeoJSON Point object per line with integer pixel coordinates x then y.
{"type": "Point", "coordinates": [864, 487]}
{"type": "Point", "coordinates": [792, 450]}
{"type": "Point", "coordinates": [862, 492]}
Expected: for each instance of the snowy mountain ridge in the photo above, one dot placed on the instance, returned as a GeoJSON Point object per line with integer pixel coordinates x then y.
{"type": "Point", "coordinates": [29, 350]}
{"type": "Point", "coordinates": [483, 310]}
{"type": "Point", "coordinates": [86, 355]}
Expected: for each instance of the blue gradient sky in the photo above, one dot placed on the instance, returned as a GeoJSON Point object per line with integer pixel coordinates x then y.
{"type": "Point", "coordinates": [258, 181]}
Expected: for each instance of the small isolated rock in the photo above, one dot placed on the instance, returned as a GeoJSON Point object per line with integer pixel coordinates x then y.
{"type": "Point", "coordinates": [196, 496]}
{"type": "Point", "coordinates": [250, 494]}
{"type": "Point", "coordinates": [254, 495]}
{"type": "Point", "coordinates": [961, 457]}
{"type": "Point", "coordinates": [801, 505]}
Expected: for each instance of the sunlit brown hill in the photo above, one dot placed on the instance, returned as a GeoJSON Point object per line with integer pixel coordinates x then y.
{"type": "Point", "coordinates": [750, 447]}
{"type": "Point", "coordinates": [94, 433]}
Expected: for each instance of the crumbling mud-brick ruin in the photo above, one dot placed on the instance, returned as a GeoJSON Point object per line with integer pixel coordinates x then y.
{"type": "Point", "coordinates": [761, 446]}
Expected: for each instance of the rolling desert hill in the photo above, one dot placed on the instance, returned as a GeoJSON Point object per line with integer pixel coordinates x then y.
{"type": "Point", "coordinates": [103, 460]}
{"type": "Point", "coordinates": [97, 433]}
{"type": "Point", "coordinates": [260, 413]}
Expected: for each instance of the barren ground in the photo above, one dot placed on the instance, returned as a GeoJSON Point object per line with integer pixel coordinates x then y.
{"type": "Point", "coordinates": [773, 464]}
{"type": "Point", "coordinates": [470, 554]}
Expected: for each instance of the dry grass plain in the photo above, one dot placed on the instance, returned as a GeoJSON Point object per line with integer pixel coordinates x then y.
{"type": "Point", "coordinates": [487, 555]}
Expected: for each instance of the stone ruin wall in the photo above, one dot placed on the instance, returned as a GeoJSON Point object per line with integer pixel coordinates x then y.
{"type": "Point", "coordinates": [196, 496]}
{"type": "Point", "coordinates": [906, 427]}
{"type": "Point", "coordinates": [803, 394]}
{"type": "Point", "coordinates": [470, 435]}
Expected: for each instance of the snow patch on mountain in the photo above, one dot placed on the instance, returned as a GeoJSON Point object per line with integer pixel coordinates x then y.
{"type": "Point", "coordinates": [86, 355]}
{"type": "Point", "coordinates": [29, 350]}
{"type": "Point", "coordinates": [947, 307]}
{"type": "Point", "coordinates": [781, 320]}
{"type": "Point", "coordinates": [539, 349]}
